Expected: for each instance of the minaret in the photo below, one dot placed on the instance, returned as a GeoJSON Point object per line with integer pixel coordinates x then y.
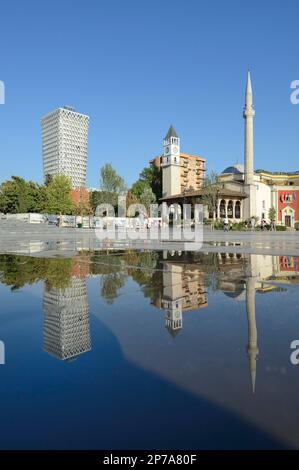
{"type": "Point", "coordinates": [171, 171]}
{"type": "Point", "coordinates": [248, 114]}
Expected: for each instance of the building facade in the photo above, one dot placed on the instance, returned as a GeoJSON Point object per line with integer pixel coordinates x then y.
{"type": "Point", "coordinates": [264, 189]}
{"type": "Point", "coordinates": [243, 192]}
{"type": "Point", "coordinates": [64, 144]}
{"type": "Point", "coordinates": [269, 189]}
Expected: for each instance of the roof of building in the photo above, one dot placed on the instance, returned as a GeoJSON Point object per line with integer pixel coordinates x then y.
{"type": "Point", "coordinates": [223, 192]}
{"type": "Point", "coordinates": [171, 133]}
{"type": "Point", "coordinates": [234, 169]}
{"type": "Point", "coordinates": [278, 173]}
{"type": "Point", "coordinates": [182, 155]}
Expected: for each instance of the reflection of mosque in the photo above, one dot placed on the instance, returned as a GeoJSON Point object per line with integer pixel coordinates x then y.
{"type": "Point", "coordinates": [66, 320]}
{"type": "Point", "coordinates": [240, 278]}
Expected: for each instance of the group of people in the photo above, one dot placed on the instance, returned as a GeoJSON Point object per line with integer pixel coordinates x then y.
{"type": "Point", "coordinates": [251, 223]}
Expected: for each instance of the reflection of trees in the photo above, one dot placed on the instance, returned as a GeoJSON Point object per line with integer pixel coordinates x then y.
{"type": "Point", "coordinates": [116, 266]}
{"type": "Point", "coordinates": [112, 270]}
{"type": "Point", "coordinates": [17, 271]}
{"type": "Point", "coordinates": [110, 284]}
{"type": "Point", "coordinates": [145, 273]}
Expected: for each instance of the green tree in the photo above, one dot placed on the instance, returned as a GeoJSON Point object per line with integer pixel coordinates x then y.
{"type": "Point", "coordinates": [147, 198]}
{"type": "Point", "coordinates": [14, 196]}
{"type": "Point", "coordinates": [110, 181]}
{"type": "Point", "coordinates": [103, 197]}
{"type": "Point", "coordinates": [152, 175]}
{"type": "Point", "coordinates": [210, 194]}
{"type": "Point", "coordinates": [138, 187]}
{"type": "Point", "coordinates": [37, 197]}
{"type": "Point", "coordinates": [58, 196]}
{"type": "Point", "coordinates": [19, 196]}
{"type": "Point", "coordinates": [272, 214]}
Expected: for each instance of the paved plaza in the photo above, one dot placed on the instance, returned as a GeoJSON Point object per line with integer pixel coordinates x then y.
{"type": "Point", "coordinates": [47, 240]}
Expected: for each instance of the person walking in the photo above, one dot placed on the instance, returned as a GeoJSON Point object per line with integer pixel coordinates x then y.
{"type": "Point", "coordinates": [226, 224]}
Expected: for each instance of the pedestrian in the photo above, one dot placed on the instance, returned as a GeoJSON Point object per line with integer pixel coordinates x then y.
{"type": "Point", "coordinates": [226, 224]}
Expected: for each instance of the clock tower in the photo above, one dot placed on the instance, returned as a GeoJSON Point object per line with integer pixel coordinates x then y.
{"type": "Point", "coordinates": [171, 165]}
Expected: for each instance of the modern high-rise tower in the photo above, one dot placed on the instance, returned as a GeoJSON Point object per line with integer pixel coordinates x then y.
{"type": "Point", "coordinates": [64, 141]}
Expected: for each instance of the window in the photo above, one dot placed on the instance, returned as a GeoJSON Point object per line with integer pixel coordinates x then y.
{"type": "Point", "coordinates": [230, 209]}
{"type": "Point", "coordinates": [222, 208]}
{"type": "Point", "coordinates": [238, 210]}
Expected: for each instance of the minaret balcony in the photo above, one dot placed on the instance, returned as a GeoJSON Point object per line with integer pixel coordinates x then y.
{"type": "Point", "coordinates": [248, 112]}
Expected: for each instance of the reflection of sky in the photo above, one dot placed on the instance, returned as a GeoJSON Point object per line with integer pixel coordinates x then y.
{"type": "Point", "coordinates": [139, 387]}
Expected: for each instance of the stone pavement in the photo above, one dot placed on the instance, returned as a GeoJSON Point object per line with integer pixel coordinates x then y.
{"type": "Point", "coordinates": [47, 240]}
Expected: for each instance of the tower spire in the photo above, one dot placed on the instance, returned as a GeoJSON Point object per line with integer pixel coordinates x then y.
{"type": "Point", "coordinates": [248, 114]}
{"type": "Point", "coordinates": [248, 97]}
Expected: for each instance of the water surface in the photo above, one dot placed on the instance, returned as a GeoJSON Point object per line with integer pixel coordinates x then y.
{"type": "Point", "coordinates": [154, 350]}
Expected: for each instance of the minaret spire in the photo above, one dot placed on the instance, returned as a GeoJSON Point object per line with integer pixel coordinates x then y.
{"type": "Point", "coordinates": [248, 98]}
{"type": "Point", "coordinates": [250, 188]}
{"type": "Point", "coordinates": [248, 114]}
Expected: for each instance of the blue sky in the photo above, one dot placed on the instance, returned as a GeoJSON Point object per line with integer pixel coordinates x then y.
{"type": "Point", "coordinates": [135, 66]}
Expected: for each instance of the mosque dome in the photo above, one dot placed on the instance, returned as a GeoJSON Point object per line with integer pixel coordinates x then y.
{"type": "Point", "coordinates": [234, 169]}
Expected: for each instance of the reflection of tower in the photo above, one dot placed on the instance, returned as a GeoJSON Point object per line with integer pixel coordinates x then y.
{"type": "Point", "coordinates": [183, 291]}
{"type": "Point", "coordinates": [172, 299]}
{"type": "Point", "coordinates": [173, 317]}
{"type": "Point", "coordinates": [252, 349]}
{"type": "Point", "coordinates": [66, 320]}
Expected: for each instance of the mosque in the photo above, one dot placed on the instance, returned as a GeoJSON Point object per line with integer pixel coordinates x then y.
{"type": "Point", "coordinates": [244, 192]}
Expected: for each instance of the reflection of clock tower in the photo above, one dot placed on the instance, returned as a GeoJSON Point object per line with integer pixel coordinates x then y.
{"type": "Point", "coordinates": [173, 317]}
{"type": "Point", "coordinates": [171, 172]}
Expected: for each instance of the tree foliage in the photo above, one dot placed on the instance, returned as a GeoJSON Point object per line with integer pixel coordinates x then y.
{"type": "Point", "coordinates": [210, 195]}
{"type": "Point", "coordinates": [19, 196]}
{"type": "Point", "coordinates": [150, 177]}
{"type": "Point", "coordinates": [147, 198]}
{"type": "Point", "coordinates": [110, 181]}
{"type": "Point", "coordinates": [59, 196]}
{"type": "Point", "coordinates": [272, 214]}
{"type": "Point", "coordinates": [103, 197]}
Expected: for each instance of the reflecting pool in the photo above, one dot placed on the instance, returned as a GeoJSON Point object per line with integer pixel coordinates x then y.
{"type": "Point", "coordinates": [155, 350]}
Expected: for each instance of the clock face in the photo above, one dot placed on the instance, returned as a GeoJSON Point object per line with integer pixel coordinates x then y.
{"type": "Point", "coordinates": [167, 150]}
{"type": "Point", "coordinates": [175, 150]}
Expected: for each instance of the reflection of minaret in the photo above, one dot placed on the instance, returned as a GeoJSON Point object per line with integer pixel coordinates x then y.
{"type": "Point", "coordinates": [252, 349]}
{"type": "Point", "coordinates": [66, 320]}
